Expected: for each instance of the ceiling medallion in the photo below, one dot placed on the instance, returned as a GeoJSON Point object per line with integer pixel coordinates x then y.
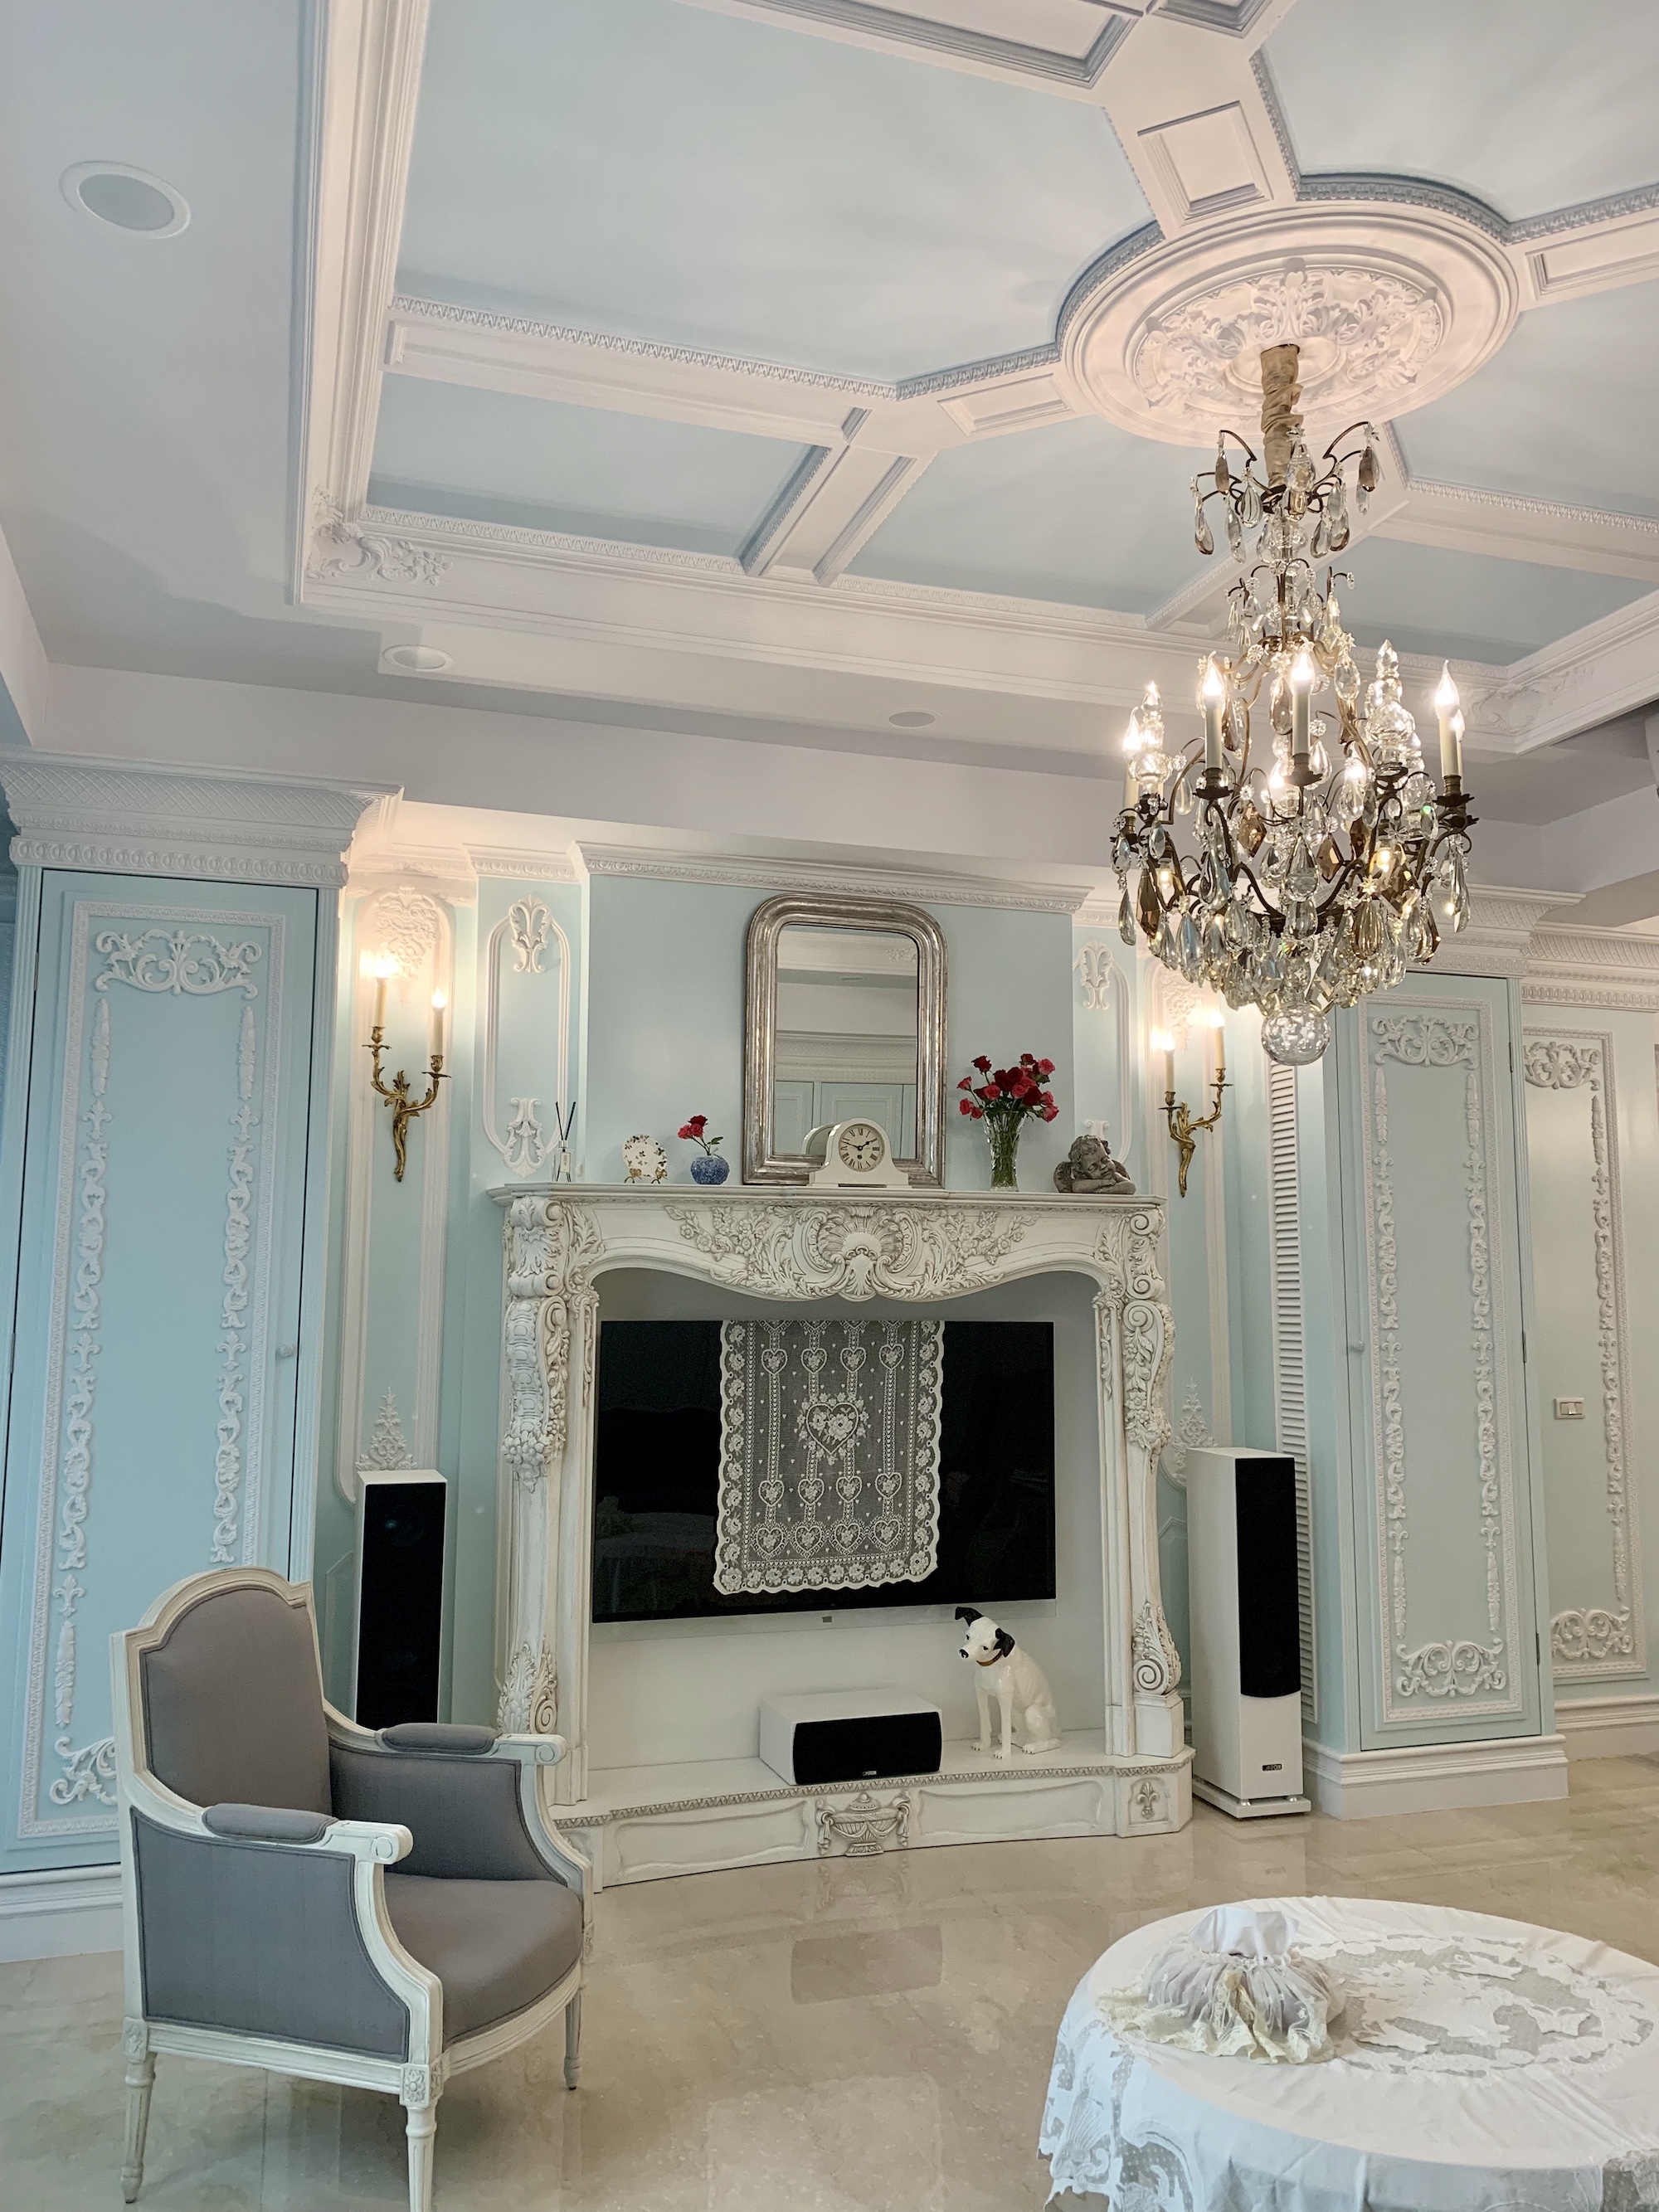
{"type": "Point", "coordinates": [1391, 304]}
{"type": "Point", "coordinates": [1317, 879]}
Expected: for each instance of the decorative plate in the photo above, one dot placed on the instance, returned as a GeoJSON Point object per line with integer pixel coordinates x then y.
{"type": "Point", "coordinates": [645, 1160]}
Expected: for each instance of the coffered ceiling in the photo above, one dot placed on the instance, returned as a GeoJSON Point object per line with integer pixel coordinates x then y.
{"type": "Point", "coordinates": [810, 362]}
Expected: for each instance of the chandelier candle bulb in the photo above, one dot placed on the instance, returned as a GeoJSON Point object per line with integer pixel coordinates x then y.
{"type": "Point", "coordinates": [1213, 698]}
{"type": "Point", "coordinates": [1446, 706]}
{"type": "Point", "coordinates": [1302, 684]}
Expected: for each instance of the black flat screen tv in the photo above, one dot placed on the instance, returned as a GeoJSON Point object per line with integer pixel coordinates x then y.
{"type": "Point", "coordinates": [656, 1475]}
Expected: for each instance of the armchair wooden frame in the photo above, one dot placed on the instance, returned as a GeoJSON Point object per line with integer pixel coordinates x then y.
{"type": "Point", "coordinates": [417, 2079]}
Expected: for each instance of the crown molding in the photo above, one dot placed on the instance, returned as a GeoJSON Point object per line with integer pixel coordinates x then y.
{"type": "Point", "coordinates": [926, 887]}
{"type": "Point", "coordinates": [1495, 939]}
{"type": "Point", "coordinates": [520, 866]}
{"type": "Point", "coordinates": [140, 818]}
{"type": "Point", "coordinates": [1607, 968]}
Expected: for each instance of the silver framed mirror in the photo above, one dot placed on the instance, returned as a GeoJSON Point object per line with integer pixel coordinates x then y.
{"type": "Point", "coordinates": [844, 1018]}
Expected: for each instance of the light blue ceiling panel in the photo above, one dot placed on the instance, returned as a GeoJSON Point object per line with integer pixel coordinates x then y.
{"type": "Point", "coordinates": [1529, 104]}
{"type": "Point", "coordinates": [1564, 412]}
{"type": "Point", "coordinates": [494, 457]}
{"type": "Point", "coordinates": [670, 172]}
{"type": "Point", "coordinates": [1469, 606]}
{"type": "Point", "coordinates": [1078, 512]}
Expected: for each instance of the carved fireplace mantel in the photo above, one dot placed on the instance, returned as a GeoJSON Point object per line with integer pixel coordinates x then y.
{"type": "Point", "coordinates": [798, 1247]}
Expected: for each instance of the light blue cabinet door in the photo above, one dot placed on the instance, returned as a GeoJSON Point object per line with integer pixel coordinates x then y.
{"type": "Point", "coordinates": [152, 1418]}
{"type": "Point", "coordinates": [1443, 1489]}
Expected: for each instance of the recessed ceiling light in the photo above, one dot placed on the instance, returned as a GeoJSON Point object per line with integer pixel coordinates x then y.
{"type": "Point", "coordinates": [417, 659]}
{"type": "Point", "coordinates": [126, 198]}
{"type": "Point", "coordinates": [912, 719]}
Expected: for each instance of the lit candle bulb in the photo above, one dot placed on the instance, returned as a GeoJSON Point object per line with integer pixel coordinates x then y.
{"type": "Point", "coordinates": [383, 969]}
{"type": "Point", "coordinates": [1303, 674]}
{"type": "Point", "coordinates": [1213, 699]}
{"type": "Point", "coordinates": [438, 1002]}
{"type": "Point", "coordinates": [1132, 756]}
{"type": "Point", "coordinates": [1218, 1024]}
{"type": "Point", "coordinates": [1446, 706]}
{"type": "Point", "coordinates": [1162, 1041]}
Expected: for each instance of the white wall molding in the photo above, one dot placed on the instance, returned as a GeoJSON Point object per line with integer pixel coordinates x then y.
{"type": "Point", "coordinates": [133, 819]}
{"type": "Point", "coordinates": [1498, 935]}
{"type": "Point", "coordinates": [1591, 1639]}
{"type": "Point", "coordinates": [1609, 1728]}
{"type": "Point", "coordinates": [1435, 1777]}
{"type": "Point", "coordinates": [535, 936]}
{"type": "Point", "coordinates": [927, 888]}
{"type": "Point", "coordinates": [522, 866]}
{"type": "Point", "coordinates": [61, 1914]}
{"type": "Point", "coordinates": [418, 930]}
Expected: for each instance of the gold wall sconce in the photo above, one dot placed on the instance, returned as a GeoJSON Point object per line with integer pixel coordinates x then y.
{"type": "Point", "coordinates": [1184, 1125]}
{"type": "Point", "coordinates": [405, 1108]}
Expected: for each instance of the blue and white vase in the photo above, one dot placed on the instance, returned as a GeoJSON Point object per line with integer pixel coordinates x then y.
{"type": "Point", "coordinates": [710, 1168]}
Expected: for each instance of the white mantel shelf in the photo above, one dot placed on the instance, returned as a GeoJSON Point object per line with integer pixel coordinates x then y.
{"type": "Point", "coordinates": [801, 1246]}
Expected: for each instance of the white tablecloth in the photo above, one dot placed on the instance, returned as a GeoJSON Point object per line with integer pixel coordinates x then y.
{"type": "Point", "coordinates": [1481, 2065]}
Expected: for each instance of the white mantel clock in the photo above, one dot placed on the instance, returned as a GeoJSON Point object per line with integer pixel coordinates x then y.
{"type": "Point", "coordinates": [852, 1156]}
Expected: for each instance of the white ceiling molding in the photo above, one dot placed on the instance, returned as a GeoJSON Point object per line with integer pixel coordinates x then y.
{"type": "Point", "coordinates": [1592, 968]}
{"type": "Point", "coordinates": [1601, 670]}
{"type": "Point", "coordinates": [370, 59]}
{"type": "Point", "coordinates": [1497, 937]}
{"type": "Point", "coordinates": [933, 37]}
{"type": "Point", "coordinates": [1509, 528]}
{"type": "Point", "coordinates": [521, 865]}
{"type": "Point", "coordinates": [831, 506]}
{"type": "Point", "coordinates": [137, 819]}
{"type": "Point", "coordinates": [928, 887]}
{"type": "Point", "coordinates": [23, 666]}
{"type": "Point", "coordinates": [1591, 248]}
{"type": "Point", "coordinates": [1191, 115]}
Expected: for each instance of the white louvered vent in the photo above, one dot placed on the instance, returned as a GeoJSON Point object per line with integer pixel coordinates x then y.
{"type": "Point", "coordinates": [1290, 1355]}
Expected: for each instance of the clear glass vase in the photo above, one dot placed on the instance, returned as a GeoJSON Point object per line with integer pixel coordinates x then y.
{"type": "Point", "coordinates": [1003, 1130]}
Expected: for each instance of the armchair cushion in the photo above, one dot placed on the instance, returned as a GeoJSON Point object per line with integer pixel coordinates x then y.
{"type": "Point", "coordinates": [496, 1946]}
{"type": "Point", "coordinates": [452, 1739]}
{"type": "Point", "coordinates": [464, 1814]}
{"type": "Point", "coordinates": [232, 1708]}
{"type": "Point", "coordinates": [267, 1823]}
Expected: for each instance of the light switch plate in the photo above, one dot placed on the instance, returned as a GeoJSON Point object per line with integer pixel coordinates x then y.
{"type": "Point", "coordinates": [1569, 1409]}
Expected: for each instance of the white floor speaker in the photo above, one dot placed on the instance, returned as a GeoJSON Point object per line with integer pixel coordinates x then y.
{"type": "Point", "coordinates": [1244, 1604]}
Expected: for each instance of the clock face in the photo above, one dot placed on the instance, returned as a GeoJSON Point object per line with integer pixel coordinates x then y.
{"type": "Point", "coordinates": [862, 1146]}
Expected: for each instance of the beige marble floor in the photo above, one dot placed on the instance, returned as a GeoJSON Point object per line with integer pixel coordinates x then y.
{"type": "Point", "coordinates": [854, 2036]}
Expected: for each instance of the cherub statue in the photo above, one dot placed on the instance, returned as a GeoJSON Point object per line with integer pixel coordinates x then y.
{"type": "Point", "coordinates": [1090, 1170]}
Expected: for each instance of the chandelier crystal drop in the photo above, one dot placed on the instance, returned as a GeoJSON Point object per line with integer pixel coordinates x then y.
{"type": "Point", "coordinates": [1326, 860]}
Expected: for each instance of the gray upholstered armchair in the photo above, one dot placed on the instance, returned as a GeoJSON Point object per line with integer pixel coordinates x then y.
{"type": "Point", "coordinates": [264, 1921]}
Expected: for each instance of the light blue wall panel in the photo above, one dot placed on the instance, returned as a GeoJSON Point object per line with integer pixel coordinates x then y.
{"type": "Point", "coordinates": [1440, 1427]}
{"type": "Point", "coordinates": [152, 1428]}
{"type": "Point", "coordinates": [1593, 1147]}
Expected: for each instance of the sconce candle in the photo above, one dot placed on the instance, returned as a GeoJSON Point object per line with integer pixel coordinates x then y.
{"type": "Point", "coordinates": [1184, 1125]}
{"type": "Point", "coordinates": [383, 969]}
{"type": "Point", "coordinates": [438, 1002]}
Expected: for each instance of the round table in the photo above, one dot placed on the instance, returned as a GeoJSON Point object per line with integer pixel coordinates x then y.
{"type": "Point", "coordinates": [1481, 2065]}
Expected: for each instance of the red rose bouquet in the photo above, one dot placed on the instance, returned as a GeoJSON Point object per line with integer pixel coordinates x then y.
{"type": "Point", "coordinates": [1004, 1099]}
{"type": "Point", "coordinates": [694, 1129]}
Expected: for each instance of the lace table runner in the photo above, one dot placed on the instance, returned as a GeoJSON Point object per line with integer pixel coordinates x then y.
{"type": "Point", "coordinates": [830, 1439]}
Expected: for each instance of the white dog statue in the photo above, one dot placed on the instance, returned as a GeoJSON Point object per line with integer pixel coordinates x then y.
{"type": "Point", "coordinates": [1015, 1680]}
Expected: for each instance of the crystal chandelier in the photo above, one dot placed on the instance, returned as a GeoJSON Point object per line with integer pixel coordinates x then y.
{"type": "Point", "coordinates": [1326, 860]}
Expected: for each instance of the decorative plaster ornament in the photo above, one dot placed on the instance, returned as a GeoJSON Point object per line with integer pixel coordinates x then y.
{"type": "Point", "coordinates": [1392, 304]}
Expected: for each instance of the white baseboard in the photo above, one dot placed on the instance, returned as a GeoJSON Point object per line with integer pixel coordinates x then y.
{"type": "Point", "coordinates": [59, 1914]}
{"type": "Point", "coordinates": [1609, 1728]}
{"type": "Point", "coordinates": [1435, 1777]}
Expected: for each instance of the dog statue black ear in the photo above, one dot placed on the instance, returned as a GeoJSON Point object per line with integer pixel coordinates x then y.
{"type": "Point", "coordinates": [1004, 1642]}
{"type": "Point", "coordinates": [967, 1613]}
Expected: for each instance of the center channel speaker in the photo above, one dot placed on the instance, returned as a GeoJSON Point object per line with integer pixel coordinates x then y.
{"type": "Point", "coordinates": [398, 1644]}
{"type": "Point", "coordinates": [850, 1735]}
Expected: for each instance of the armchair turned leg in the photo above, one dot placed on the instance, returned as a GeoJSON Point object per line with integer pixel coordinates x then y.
{"type": "Point", "coordinates": [422, 2131]}
{"type": "Point", "coordinates": [573, 2038]}
{"type": "Point", "coordinates": [140, 2080]}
